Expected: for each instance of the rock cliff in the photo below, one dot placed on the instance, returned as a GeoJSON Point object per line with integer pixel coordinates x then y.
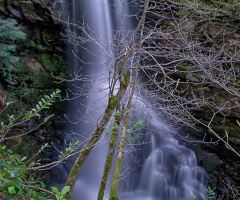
{"type": "Point", "coordinates": [42, 53]}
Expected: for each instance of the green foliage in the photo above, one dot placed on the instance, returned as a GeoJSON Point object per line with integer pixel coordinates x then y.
{"type": "Point", "coordinates": [137, 126]}
{"type": "Point", "coordinates": [16, 179]}
{"type": "Point", "coordinates": [2, 9]}
{"type": "Point", "coordinates": [44, 103]}
{"type": "Point", "coordinates": [73, 145]}
{"type": "Point", "coordinates": [132, 138]}
{"type": "Point", "coordinates": [195, 197]}
{"type": "Point", "coordinates": [60, 195]}
{"type": "Point", "coordinates": [116, 115]}
{"type": "Point", "coordinates": [114, 126]}
{"type": "Point", "coordinates": [210, 194]}
{"type": "Point", "coordinates": [9, 32]}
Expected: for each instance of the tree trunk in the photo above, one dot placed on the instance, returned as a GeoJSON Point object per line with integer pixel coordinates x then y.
{"type": "Point", "coordinates": [113, 103]}
{"type": "Point", "coordinates": [109, 160]}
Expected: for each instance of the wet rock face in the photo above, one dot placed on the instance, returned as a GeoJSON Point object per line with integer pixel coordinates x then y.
{"type": "Point", "coordinates": [32, 11]}
{"type": "Point", "coordinates": [222, 172]}
{"type": "Point", "coordinates": [42, 53]}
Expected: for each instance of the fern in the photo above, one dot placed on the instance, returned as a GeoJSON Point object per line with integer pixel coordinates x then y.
{"type": "Point", "coordinates": [9, 32]}
{"type": "Point", "coordinates": [44, 103]}
{"type": "Point", "coordinates": [35, 112]}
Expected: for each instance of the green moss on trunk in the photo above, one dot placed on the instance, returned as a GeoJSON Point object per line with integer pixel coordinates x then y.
{"type": "Point", "coordinates": [108, 163]}
{"type": "Point", "coordinates": [113, 194]}
{"type": "Point", "coordinates": [93, 140]}
{"type": "Point", "coordinates": [87, 150]}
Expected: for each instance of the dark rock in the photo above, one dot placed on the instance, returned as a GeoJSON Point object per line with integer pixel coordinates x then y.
{"type": "Point", "coordinates": [15, 13]}
{"type": "Point", "coordinates": [211, 163]}
{"type": "Point", "coordinates": [41, 137]}
{"type": "Point", "coordinates": [46, 160]}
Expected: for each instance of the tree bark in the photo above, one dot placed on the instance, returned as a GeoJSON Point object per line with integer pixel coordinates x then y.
{"type": "Point", "coordinates": [109, 160]}
{"type": "Point", "coordinates": [113, 103]}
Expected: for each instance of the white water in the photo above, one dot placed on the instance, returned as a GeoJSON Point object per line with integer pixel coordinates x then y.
{"type": "Point", "coordinates": [170, 171]}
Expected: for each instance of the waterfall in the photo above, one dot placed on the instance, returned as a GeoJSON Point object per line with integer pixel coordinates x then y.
{"type": "Point", "coordinates": [170, 171]}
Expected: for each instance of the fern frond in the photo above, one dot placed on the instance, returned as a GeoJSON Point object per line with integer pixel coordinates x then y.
{"type": "Point", "coordinates": [7, 47]}
{"type": "Point", "coordinates": [44, 103]}
{"type": "Point", "coordinates": [9, 30]}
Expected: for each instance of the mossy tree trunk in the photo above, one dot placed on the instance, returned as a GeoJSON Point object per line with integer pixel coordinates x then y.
{"type": "Point", "coordinates": [126, 116]}
{"type": "Point", "coordinates": [113, 103]}
{"type": "Point", "coordinates": [118, 165]}
{"type": "Point", "coordinates": [110, 155]}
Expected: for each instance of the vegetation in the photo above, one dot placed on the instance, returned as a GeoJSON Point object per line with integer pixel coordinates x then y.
{"type": "Point", "coordinates": [181, 51]}
{"type": "Point", "coordinates": [16, 179]}
{"type": "Point", "coordinates": [210, 194]}
{"type": "Point", "coordinates": [9, 32]}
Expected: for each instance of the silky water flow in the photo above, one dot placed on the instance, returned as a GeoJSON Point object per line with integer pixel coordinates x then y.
{"type": "Point", "coordinates": [169, 170]}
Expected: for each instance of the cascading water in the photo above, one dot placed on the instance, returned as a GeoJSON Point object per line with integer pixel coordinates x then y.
{"type": "Point", "coordinates": [170, 171]}
{"type": "Point", "coordinates": [92, 62]}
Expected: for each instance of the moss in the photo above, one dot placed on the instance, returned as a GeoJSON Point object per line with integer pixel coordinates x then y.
{"type": "Point", "coordinates": [109, 160]}
{"type": "Point", "coordinates": [52, 62]}
{"type": "Point", "coordinates": [108, 163]}
{"type": "Point", "coordinates": [21, 149]}
{"type": "Point", "coordinates": [87, 150]}
{"type": "Point", "coordinates": [41, 80]}
{"type": "Point", "coordinates": [205, 113]}
{"type": "Point", "coordinates": [211, 163]}
{"type": "Point", "coordinates": [20, 67]}
{"type": "Point", "coordinates": [46, 61]}
{"type": "Point", "coordinates": [113, 194]}
{"type": "Point", "coordinates": [118, 165]}
{"type": "Point", "coordinates": [230, 128]}
{"type": "Point", "coordinates": [113, 102]}
{"type": "Point", "coordinates": [32, 43]}
{"type": "Point", "coordinates": [126, 79]}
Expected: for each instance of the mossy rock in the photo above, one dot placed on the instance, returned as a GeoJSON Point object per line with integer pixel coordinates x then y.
{"type": "Point", "coordinates": [21, 149]}
{"type": "Point", "coordinates": [205, 113]}
{"type": "Point", "coordinates": [211, 163]}
{"type": "Point", "coordinates": [52, 62]}
{"type": "Point", "coordinates": [41, 80]}
{"type": "Point", "coordinates": [47, 62]}
{"type": "Point", "coordinates": [198, 151]}
{"type": "Point", "coordinates": [233, 130]}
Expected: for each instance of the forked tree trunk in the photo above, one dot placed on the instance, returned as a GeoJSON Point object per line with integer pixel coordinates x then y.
{"type": "Point", "coordinates": [113, 103]}
{"type": "Point", "coordinates": [118, 165]}
{"type": "Point", "coordinates": [110, 155]}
